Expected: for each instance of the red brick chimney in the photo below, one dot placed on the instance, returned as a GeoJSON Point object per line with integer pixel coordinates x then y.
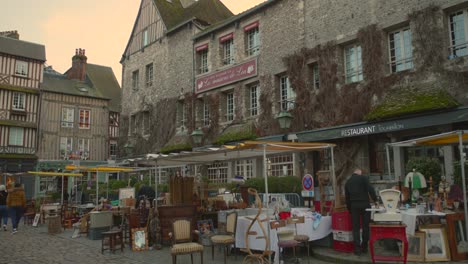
{"type": "Point", "coordinates": [78, 69]}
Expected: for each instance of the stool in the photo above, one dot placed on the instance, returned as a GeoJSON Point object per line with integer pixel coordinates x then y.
{"type": "Point", "coordinates": [112, 240]}
{"type": "Point", "coordinates": [388, 231]}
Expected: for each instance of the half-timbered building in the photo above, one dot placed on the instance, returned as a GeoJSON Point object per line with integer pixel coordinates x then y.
{"type": "Point", "coordinates": [21, 68]}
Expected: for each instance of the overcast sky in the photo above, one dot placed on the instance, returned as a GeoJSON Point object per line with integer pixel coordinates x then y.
{"type": "Point", "coordinates": [101, 27]}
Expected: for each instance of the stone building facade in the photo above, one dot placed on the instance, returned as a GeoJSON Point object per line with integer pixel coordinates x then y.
{"type": "Point", "coordinates": [358, 74]}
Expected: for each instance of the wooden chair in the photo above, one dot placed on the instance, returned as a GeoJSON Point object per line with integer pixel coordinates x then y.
{"type": "Point", "coordinates": [229, 238]}
{"type": "Point", "coordinates": [300, 238]}
{"type": "Point", "coordinates": [283, 243]}
{"type": "Point", "coordinates": [182, 237]}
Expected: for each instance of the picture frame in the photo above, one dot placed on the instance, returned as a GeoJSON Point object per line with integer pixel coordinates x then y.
{"type": "Point", "coordinates": [37, 217]}
{"type": "Point", "coordinates": [437, 248]}
{"type": "Point", "coordinates": [139, 239]}
{"type": "Point", "coordinates": [457, 237]}
{"type": "Point", "coordinates": [416, 246]}
{"type": "Point", "coordinates": [205, 227]}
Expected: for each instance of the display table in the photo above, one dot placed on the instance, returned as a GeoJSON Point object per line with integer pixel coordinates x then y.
{"type": "Point", "coordinates": [410, 218]}
{"type": "Point", "coordinates": [322, 230]}
{"type": "Point", "coordinates": [388, 231]}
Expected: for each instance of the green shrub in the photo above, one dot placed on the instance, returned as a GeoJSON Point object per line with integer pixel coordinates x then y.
{"type": "Point", "coordinates": [287, 184]}
{"type": "Point", "coordinates": [117, 184]}
{"type": "Point", "coordinates": [427, 166]}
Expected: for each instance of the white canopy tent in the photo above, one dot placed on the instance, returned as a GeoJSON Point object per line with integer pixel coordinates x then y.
{"type": "Point", "coordinates": [458, 137]}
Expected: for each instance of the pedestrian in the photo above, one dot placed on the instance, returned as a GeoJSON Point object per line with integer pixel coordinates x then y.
{"type": "Point", "coordinates": [357, 192]}
{"type": "Point", "coordinates": [3, 206]}
{"type": "Point", "coordinates": [16, 202]}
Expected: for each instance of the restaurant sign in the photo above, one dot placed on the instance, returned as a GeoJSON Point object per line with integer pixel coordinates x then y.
{"type": "Point", "coordinates": [237, 73]}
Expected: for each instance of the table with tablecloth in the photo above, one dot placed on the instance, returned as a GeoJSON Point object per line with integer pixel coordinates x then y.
{"type": "Point", "coordinates": [410, 218]}
{"type": "Point", "coordinates": [322, 230]}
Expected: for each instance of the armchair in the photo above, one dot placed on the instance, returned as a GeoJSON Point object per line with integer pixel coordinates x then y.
{"type": "Point", "coordinates": [181, 237]}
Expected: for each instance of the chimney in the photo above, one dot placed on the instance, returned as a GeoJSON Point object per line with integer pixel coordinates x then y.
{"type": "Point", "coordinates": [78, 69]}
{"type": "Point", "coordinates": [10, 34]}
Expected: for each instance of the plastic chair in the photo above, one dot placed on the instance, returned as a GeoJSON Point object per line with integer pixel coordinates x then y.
{"type": "Point", "coordinates": [182, 244]}
{"type": "Point", "coordinates": [229, 238]}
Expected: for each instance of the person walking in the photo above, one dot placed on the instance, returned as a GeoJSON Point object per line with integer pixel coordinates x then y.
{"type": "Point", "coordinates": [16, 202]}
{"type": "Point", "coordinates": [357, 192]}
{"type": "Point", "coordinates": [3, 206]}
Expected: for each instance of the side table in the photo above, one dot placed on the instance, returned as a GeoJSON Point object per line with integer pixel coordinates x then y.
{"type": "Point", "coordinates": [381, 231]}
{"type": "Point", "coordinates": [113, 239]}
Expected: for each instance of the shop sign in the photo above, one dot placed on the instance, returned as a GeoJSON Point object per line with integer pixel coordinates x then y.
{"type": "Point", "coordinates": [371, 129]}
{"type": "Point", "coordinates": [233, 74]}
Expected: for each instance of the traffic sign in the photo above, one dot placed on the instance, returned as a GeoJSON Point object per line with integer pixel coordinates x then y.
{"type": "Point", "coordinates": [308, 182]}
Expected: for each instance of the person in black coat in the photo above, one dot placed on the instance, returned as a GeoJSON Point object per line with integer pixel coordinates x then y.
{"type": "Point", "coordinates": [3, 206]}
{"type": "Point", "coordinates": [357, 191]}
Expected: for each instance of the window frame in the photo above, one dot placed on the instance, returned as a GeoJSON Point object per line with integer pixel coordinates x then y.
{"type": "Point", "coordinates": [395, 60]}
{"type": "Point", "coordinates": [206, 114]}
{"type": "Point", "coordinates": [287, 94]}
{"type": "Point", "coordinates": [18, 98]}
{"type": "Point", "coordinates": [252, 41]}
{"type": "Point", "coordinates": [21, 68]}
{"type": "Point", "coordinates": [356, 71]}
{"type": "Point", "coordinates": [315, 76]}
{"type": "Point", "coordinates": [65, 144]}
{"type": "Point", "coordinates": [202, 61]}
{"type": "Point", "coordinates": [83, 148]}
{"type": "Point", "coordinates": [84, 121]}
{"type": "Point", "coordinates": [112, 148]}
{"type": "Point", "coordinates": [230, 107]}
{"type": "Point", "coordinates": [227, 49]}
{"type": "Point", "coordinates": [245, 168]}
{"type": "Point", "coordinates": [135, 80]}
{"type": "Point", "coordinates": [16, 136]}
{"type": "Point", "coordinates": [254, 99]}
{"type": "Point", "coordinates": [222, 168]}
{"type": "Point", "coordinates": [455, 47]}
{"type": "Point", "coordinates": [144, 38]}
{"type": "Point", "coordinates": [67, 120]}
{"type": "Point", "coordinates": [149, 75]}
{"type": "Point", "coordinates": [276, 164]}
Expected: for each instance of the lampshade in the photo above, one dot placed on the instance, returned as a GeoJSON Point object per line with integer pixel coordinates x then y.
{"type": "Point", "coordinates": [417, 180]}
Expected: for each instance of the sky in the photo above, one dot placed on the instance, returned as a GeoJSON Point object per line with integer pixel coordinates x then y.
{"type": "Point", "coordinates": [101, 27]}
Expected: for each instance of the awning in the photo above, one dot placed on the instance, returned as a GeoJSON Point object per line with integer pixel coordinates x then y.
{"type": "Point", "coordinates": [448, 138]}
{"type": "Point", "coordinates": [99, 168]}
{"type": "Point", "coordinates": [368, 128]}
{"type": "Point", "coordinates": [53, 174]}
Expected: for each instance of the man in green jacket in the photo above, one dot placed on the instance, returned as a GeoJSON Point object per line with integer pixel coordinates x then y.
{"type": "Point", "coordinates": [16, 202]}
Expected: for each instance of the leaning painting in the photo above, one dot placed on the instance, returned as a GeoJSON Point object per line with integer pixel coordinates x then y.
{"type": "Point", "coordinates": [457, 237]}
{"type": "Point", "coordinates": [437, 248]}
{"type": "Point", "coordinates": [139, 239]}
{"type": "Point", "coordinates": [416, 246]}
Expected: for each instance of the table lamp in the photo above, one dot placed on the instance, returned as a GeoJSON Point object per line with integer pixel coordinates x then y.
{"type": "Point", "coordinates": [414, 181]}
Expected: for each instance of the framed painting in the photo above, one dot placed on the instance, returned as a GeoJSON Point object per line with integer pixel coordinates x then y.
{"type": "Point", "coordinates": [139, 239]}
{"type": "Point", "coordinates": [416, 246]}
{"type": "Point", "coordinates": [205, 227]}
{"type": "Point", "coordinates": [457, 236]}
{"type": "Point", "coordinates": [437, 248]}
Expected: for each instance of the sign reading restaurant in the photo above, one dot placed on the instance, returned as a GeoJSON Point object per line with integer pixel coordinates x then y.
{"type": "Point", "coordinates": [371, 129]}
{"type": "Point", "coordinates": [239, 72]}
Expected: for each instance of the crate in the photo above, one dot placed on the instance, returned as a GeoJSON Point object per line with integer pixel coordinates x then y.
{"type": "Point", "coordinates": [343, 246]}
{"type": "Point", "coordinates": [345, 236]}
{"type": "Point", "coordinates": [341, 221]}
{"type": "Point", "coordinates": [54, 225]}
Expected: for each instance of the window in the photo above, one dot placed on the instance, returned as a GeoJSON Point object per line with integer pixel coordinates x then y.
{"type": "Point", "coordinates": [16, 136]}
{"type": "Point", "coordinates": [85, 118]}
{"type": "Point", "coordinates": [229, 107]}
{"type": "Point", "coordinates": [253, 41]}
{"type": "Point", "coordinates": [132, 122]}
{"type": "Point", "coordinates": [288, 96]}
{"type": "Point", "coordinates": [282, 165]}
{"type": "Point", "coordinates": [149, 75]}
{"type": "Point", "coordinates": [67, 117]}
{"type": "Point", "coordinates": [21, 68]}
{"type": "Point", "coordinates": [202, 61]}
{"type": "Point", "coordinates": [401, 50]}
{"type": "Point", "coordinates": [83, 148]}
{"type": "Point", "coordinates": [145, 38]}
{"type": "Point", "coordinates": [315, 76]}
{"type": "Point", "coordinates": [206, 113]}
{"type": "Point", "coordinates": [113, 149]}
{"type": "Point", "coordinates": [47, 184]}
{"type": "Point", "coordinates": [18, 101]}
{"type": "Point", "coordinates": [458, 40]}
{"type": "Point", "coordinates": [254, 92]}
{"type": "Point", "coordinates": [66, 147]}
{"type": "Point", "coordinates": [244, 168]}
{"type": "Point", "coordinates": [146, 123]}
{"type": "Point", "coordinates": [218, 172]}
{"type": "Point", "coordinates": [228, 51]}
{"type": "Point", "coordinates": [353, 64]}
{"type": "Point", "coordinates": [135, 76]}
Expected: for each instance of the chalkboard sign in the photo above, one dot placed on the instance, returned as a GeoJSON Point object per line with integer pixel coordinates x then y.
{"type": "Point", "coordinates": [126, 193]}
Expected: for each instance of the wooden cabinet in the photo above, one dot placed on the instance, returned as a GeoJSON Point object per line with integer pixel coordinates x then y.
{"type": "Point", "coordinates": [167, 214]}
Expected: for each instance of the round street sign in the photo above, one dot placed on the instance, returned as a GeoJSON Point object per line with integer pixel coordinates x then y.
{"type": "Point", "coordinates": [308, 182]}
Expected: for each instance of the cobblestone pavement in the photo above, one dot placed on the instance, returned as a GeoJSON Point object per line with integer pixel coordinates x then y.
{"type": "Point", "coordinates": [35, 245]}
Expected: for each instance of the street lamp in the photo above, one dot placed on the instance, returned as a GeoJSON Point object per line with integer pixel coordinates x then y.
{"type": "Point", "coordinates": [284, 119]}
{"type": "Point", "coordinates": [197, 136]}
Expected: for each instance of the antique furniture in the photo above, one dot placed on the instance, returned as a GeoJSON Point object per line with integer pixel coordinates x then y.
{"type": "Point", "coordinates": [168, 213]}
{"type": "Point", "coordinates": [300, 238]}
{"type": "Point", "coordinates": [229, 238]}
{"type": "Point", "coordinates": [456, 236]}
{"type": "Point", "coordinates": [112, 240]}
{"type": "Point", "coordinates": [182, 244]}
{"type": "Point", "coordinates": [283, 240]}
{"type": "Point", "coordinates": [388, 231]}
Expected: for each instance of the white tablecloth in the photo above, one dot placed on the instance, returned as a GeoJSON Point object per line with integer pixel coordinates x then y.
{"type": "Point", "coordinates": [243, 222]}
{"type": "Point", "coordinates": [409, 217]}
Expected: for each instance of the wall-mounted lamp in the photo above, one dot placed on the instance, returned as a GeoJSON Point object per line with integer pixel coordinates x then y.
{"type": "Point", "coordinates": [284, 119]}
{"type": "Point", "coordinates": [197, 136]}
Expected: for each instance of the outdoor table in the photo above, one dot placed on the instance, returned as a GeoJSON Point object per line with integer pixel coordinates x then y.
{"type": "Point", "coordinates": [409, 218]}
{"type": "Point", "coordinates": [322, 230]}
{"type": "Point", "coordinates": [388, 231]}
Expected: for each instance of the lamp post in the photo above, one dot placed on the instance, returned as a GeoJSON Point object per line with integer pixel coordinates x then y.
{"type": "Point", "coordinates": [197, 136]}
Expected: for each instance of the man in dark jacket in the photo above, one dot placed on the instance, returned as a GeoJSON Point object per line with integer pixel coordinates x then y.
{"type": "Point", "coordinates": [357, 191]}
{"type": "Point", "coordinates": [3, 206]}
